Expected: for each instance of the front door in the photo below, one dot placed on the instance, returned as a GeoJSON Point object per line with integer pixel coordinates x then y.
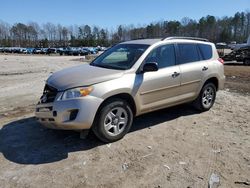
{"type": "Point", "coordinates": [160, 88]}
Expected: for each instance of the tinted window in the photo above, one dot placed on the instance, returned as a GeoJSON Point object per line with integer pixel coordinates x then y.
{"type": "Point", "coordinates": [188, 53]}
{"type": "Point", "coordinates": [206, 51]}
{"type": "Point", "coordinates": [164, 56]}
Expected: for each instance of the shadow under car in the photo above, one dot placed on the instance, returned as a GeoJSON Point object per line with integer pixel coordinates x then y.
{"type": "Point", "coordinates": [25, 141]}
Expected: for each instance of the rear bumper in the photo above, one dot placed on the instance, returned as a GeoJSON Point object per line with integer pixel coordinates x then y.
{"type": "Point", "coordinates": [73, 114]}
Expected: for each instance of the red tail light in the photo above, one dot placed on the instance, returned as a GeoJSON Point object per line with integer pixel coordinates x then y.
{"type": "Point", "coordinates": [221, 60]}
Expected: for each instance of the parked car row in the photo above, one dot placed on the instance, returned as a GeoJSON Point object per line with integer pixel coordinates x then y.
{"type": "Point", "coordinates": [78, 51]}
{"type": "Point", "coordinates": [62, 51]}
{"type": "Point", "coordinates": [20, 50]}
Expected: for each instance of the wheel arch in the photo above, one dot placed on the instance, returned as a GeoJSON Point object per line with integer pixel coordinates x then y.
{"type": "Point", "coordinates": [124, 96]}
{"type": "Point", "coordinates": [213, 80]}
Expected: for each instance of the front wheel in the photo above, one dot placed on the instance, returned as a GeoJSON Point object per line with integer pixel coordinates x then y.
{"type": "Point", "coordinates": [206, 98]}
{"type": "Point", "coordinates": [113, 120]}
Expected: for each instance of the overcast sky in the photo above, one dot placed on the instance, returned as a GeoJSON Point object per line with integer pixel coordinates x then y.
{"type": "Point", "coordinates": [110, 13]}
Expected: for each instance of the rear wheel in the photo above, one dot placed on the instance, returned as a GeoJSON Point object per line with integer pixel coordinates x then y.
{"type": "Point", "coordinates": [206, 98]}
{"type": "Point", "coordinates": [246, 62]}
{"type": "Point", "coordinates": [113, 120]}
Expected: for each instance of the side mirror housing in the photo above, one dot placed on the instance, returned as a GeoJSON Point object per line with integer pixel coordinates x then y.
{"type": "Point", "coordinates": [150, 67]}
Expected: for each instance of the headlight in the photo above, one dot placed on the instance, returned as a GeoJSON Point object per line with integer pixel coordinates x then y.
{"type": "Point", "coordinates": [76, 92]}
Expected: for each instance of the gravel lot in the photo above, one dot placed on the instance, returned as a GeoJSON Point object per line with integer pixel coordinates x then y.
{"type": "Point", "coordinates": [175, 147]}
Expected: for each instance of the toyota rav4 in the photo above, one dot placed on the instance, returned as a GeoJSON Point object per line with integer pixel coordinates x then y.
{"type": "Point", "coordinates": [130, 79]}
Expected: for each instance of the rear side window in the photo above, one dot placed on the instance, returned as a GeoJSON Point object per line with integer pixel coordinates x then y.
{"type": "Point", "coordinates": [206, 51]}
{"type": "Point", "coordinates": [188, 53]}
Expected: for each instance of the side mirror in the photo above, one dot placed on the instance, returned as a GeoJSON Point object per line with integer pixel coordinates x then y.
{"type": "Point", "coordinates": [150, 67]}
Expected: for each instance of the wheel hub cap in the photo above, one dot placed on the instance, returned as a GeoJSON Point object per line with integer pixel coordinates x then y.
{"type": "Point", "coordinates": [208, 97]}
{"type": "Point", "coordinates": [115, 121]}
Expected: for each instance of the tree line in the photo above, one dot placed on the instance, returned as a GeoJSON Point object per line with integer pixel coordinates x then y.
{"type": "Point", "coordinates": [224, 29]}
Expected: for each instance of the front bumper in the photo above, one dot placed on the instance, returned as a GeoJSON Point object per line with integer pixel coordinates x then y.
{"type": "Point", "coordinates": [72, 114]}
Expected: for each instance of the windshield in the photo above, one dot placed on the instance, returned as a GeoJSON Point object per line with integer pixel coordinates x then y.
{"type": "Point", "coordinates": [121, 56]}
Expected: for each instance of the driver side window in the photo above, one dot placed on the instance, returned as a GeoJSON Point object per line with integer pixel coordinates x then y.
{"type": "Point", "coordinates": [163, 55]}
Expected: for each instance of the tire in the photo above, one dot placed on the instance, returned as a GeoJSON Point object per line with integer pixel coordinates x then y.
{"type": "Point", "coordinates": [206, 98]}
{"type": "Point", "coordinates": [113, 120]}
{"type": "Point", "coordinates": [246, 61]}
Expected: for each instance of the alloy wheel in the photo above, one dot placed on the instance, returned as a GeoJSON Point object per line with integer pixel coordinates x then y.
{"type": "Point", "coordinates": [115, 121]}
{"type": "Point", "coordinates": [208, 97]}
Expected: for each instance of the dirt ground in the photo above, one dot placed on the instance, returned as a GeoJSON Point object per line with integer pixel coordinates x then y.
{"type": "Point", "coordinates": [175, 147]}
{"type": "Point", "coordinates": [238, 77]}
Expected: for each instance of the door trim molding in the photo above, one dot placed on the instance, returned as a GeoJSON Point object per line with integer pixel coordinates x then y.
{"type": "Point", "coordinates": [160, 89]}
{"type": "Point", "coordinates": [191, 82]}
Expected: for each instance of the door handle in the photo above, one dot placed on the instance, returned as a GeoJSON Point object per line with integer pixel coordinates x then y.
{"type": "Point", "coordinates": [204, 68]}
{"type": "Point", "coordinates": [175, 74]}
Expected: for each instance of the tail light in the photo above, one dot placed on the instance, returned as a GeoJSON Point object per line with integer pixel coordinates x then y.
{"type": "Point", "coordinates": [221, 60]}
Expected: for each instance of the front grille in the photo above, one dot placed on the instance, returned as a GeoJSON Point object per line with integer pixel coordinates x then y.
{"type": "Point", "coordinates": [49, 94]}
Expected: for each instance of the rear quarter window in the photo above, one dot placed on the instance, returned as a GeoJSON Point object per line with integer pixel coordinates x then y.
{"type": "Point", "coordinates": [206, 51]}
{"type": "Point", "coordinates": [188, 53]}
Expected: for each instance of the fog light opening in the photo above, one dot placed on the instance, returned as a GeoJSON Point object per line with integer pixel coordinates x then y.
{"type": "Point", "coordinates": [73, 115]}
{"type": "Point", "coordinates": [54, 113]}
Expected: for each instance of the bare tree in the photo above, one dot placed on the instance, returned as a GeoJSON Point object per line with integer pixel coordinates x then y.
{"type": "Point", "coordinates": [225, 29]}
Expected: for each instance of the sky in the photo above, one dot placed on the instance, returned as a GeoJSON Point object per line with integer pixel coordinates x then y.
{"type": "Point", "coordinates": [111, 13]}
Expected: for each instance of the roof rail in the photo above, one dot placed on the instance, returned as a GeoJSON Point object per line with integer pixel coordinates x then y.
{"type": "Point", "coordinates": [188, 38]}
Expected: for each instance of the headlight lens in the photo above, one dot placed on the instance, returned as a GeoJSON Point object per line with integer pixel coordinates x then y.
{"type": "Point", "coordinates": [76, 92]}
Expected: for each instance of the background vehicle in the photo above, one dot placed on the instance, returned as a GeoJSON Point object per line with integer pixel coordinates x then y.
{"type": "Point", "coordinates": [93, 50]}
{"type": "Point", "coordinates": [66, 51]}
{"type": "Point", "coordinates": [130, 79]}
{"type": "Point", "coordinates": [37, 51]}
{"type": "Point", "coordinates": [73, 51]}
{"type": "Point", "coordinates": [30, 50]}
{"type": "Point", "coordinates": [222, 49]}
{"type": "Point", "coordinates": [83, 51]}
{"type": "Point", "coordinates": [51, 51]}
{"type": "Point", "coordinates": [243, 55]}
{"type": "Point", "coordinates": [240, 55]}
{"type": "Point", "coordinates": [17, 50]}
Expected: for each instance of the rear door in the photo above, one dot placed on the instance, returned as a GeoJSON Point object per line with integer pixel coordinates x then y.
{"type": "Point", "coordinates": [192, 68]}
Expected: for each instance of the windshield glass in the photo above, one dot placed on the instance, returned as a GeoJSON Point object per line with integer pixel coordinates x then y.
{"type": "Point", "coordinates": [121, 56]}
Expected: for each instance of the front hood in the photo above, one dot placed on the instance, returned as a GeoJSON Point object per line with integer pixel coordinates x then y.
{"type": "Point", "coordinates": [82, 75]}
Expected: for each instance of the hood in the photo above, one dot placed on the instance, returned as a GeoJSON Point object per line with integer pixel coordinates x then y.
{"type": "Point", "coordinates": [82, 75]}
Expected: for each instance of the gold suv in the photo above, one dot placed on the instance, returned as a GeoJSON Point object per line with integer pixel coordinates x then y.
{"type": "Point", "coordinates": [130, 79]}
